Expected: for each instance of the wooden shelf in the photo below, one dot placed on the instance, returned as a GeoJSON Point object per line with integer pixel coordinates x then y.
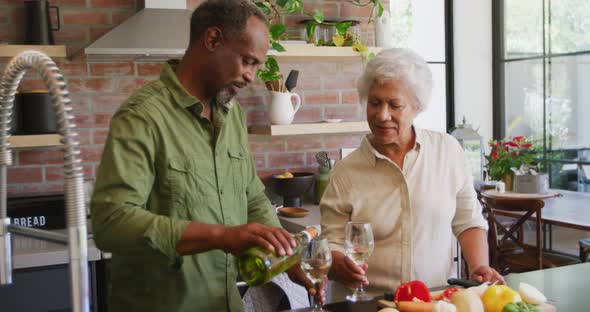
{"type": "Point", "coordinates": [310, 128]}
{"type": "Point", "coordinates": [298, 52]}
{"type": "Point", "coordinates": [41, 140]}
{"type": "Point", "coordinates": [54, 51]}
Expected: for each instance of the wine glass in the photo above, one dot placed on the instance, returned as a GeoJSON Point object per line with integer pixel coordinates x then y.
{"type": "Point", "coordinates": [316, 260]}
{"type": "Point", "coordinates": [358, 246]}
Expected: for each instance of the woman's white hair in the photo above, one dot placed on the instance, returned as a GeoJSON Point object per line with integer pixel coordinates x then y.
{"type": "Point", "coordinates": [398, 64]}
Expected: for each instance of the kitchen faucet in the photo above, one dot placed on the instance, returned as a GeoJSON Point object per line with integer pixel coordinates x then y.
{"type": "Point", "coordinates": [74, 176]}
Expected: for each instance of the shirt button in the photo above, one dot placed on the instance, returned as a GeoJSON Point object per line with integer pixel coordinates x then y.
{"type": "Point", "coordinates": [221, 191]}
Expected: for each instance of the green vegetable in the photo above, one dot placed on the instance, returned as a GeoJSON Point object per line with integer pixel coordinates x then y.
{"type": "Point", "coordinates": [520, 307]}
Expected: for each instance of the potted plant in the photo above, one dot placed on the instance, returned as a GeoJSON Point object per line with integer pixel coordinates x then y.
{"type": "Point", "coordinates": [505, 155]}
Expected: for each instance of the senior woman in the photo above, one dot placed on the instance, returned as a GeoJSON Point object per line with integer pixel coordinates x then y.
{"type": "Point", "coordinates": [412, 185]}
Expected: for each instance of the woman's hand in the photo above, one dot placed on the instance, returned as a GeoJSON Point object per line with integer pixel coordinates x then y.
{"type": "Point", "coordinates": [297, 275]}
{"type": "Point", "coordinates": [346, 272]}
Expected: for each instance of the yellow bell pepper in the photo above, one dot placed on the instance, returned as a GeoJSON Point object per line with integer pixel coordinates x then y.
{"type": "Point", "coordinates": [497, 296]}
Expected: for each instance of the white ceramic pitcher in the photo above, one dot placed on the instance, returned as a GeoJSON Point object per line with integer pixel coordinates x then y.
{"type": "Point", "coordinates": [281, 107]}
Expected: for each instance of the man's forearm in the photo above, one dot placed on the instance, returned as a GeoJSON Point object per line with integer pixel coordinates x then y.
{"type": "Point", "coordinates": [200, 237]}
{"type": "Point", "coordinates": [474, 246]}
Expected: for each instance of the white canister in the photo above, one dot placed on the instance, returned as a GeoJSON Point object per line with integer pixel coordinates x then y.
{"type": "Point", "coordinates": [384, 31]}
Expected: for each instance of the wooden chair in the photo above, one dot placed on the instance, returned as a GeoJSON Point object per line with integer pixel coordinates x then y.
{"type": "Point", "coordinates": [509, 253]}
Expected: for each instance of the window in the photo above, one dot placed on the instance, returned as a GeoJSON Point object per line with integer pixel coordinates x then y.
{"type": "Point", "coordinates": [426, 27]}
{"type": "Point", "coordinates": [541, 72]}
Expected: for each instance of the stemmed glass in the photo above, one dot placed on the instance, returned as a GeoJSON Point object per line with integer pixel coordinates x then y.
{"type": "Point", "coordinates": [358, 246]}
{"type": "Point", "coordinates": [316, 260]}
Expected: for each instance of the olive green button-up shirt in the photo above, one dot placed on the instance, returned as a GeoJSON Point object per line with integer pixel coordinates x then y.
{"type": "Point", "coordinates": [164, 166]}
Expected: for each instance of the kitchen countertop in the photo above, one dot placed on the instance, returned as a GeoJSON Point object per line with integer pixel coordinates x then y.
{"type": "Point", "coordinates": [295, 225]}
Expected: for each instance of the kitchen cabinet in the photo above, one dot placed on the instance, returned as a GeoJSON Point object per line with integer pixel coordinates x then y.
{"type": "Point", "coordinates": [311, 128]}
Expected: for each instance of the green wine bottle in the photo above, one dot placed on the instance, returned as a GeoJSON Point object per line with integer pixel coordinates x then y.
{"type": "Point", "coordinates": [258, 265]}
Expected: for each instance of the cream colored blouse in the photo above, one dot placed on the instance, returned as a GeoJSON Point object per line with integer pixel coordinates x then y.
{"type": "Point", "coordinates": [415, 212]}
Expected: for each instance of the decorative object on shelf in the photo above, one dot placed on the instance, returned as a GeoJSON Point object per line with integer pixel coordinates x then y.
{"type": "Point", "coordinates": [39, 30]}
{"type": "Point", "coordinates": [282, 111]}
{"type": "Point", "coordinates": [472, 144]}
{"type": "Point", "coordinates": [531, 182]}
{"type": "Point", "coordinates": [34, 113]}
{"type": "Point", "coordinates": [506, 155]}
{"type": "Point", "coordinates": [291, 189]}
{"type": "Point", "coordinates": [384, 31]}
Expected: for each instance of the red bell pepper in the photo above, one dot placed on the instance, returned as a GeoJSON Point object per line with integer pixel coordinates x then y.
{"type": "Point", "coordinates": [412, 290]}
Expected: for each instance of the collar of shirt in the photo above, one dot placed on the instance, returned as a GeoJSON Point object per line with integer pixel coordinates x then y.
{"type": "Point", "coordinates": [179, 93]}
{"type": "Point", "coordinates": [372, 154]}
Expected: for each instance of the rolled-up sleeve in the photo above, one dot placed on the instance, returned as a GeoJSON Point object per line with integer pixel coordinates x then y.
{"type": "Point", "coordinates": [335, 209]}
{"type": "Point", "coordinates": [121, 223]}
{"type": "Point", "coordinates": [468, 211]}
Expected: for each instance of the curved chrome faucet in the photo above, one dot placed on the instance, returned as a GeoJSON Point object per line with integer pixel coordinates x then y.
{"type": "Point", "coordinates": [74, 176]}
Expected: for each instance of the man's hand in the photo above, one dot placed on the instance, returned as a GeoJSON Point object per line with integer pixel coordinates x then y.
{"type": "Point", "coordinates": [297, 275]}
{"type": "Point", "coordinates": [484, 273]}
{"type": "Point", "coordinates": [346, 272]}
{"type": "Point", "coordinates": [236, 239]}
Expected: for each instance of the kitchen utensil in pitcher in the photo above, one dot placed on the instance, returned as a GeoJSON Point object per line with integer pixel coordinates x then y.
{"type": "Point", "coordinates": [38, 26]}
{"type": "Point", "coordinates": [291, 81]}
{"type": "Point", "coordinates": [323, 159]}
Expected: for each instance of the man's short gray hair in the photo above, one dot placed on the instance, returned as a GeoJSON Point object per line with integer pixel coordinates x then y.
{"type": "Point", "coordinates": [398, 64]}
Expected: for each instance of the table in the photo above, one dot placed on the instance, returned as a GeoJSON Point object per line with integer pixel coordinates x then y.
{"type": "Point", "coordinates": [568, 287]}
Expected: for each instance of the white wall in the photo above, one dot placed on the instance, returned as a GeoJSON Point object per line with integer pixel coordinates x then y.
{"type": "Point", "coordinates": [473, 63]}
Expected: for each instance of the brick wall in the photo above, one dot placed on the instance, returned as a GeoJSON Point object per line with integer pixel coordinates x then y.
{"type": "Point", "coordinates": [327, 90]}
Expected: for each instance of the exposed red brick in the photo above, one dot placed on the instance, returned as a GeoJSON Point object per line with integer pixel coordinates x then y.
{"type": "Point", "coordinates": [11, 1]}
{"type": "Point", "coordinates": [17, 15]}
{"type": "Point", "coordinates": [84, 121]}
{"type": "Point", "coordinates": [69, 69]}
{"type": "Point", "coordinates": [100, 136]}
{"type": "Point", "coordinates": [354, 68]}
{"type": "Point", "coordinates": [120, 17]}
{"type": "Point", "coordinates": [111, 69]}
{"type": "Point", "coordinates": [40, 157]}
{"type": "Point", "coordinates": [3, 16]}
{"type": "Point", "coordinates": [14, 34]}
{"type": "Point", "coordinates": [91, 85]}
{"type": "Point", "coordinates": [85, 17]}
{"type": "Point", "coordinates": [330, 10]}
{"type": "Point", "coordinates": [128, 85]}
{"type": "Point", "coordinates": [264, 144]}
{"type": "Point", "coordinates": [308, 114]}
{"type": "Point", "coordinates": [257, 117]}
{"type": "Point", "coordinates": [108, 103]}
{"type": "Point", "coordinates": [303, 143]}
{"type": "Point", "coordinates": [115, 4]}
{"type": "Point", "coordinates": [276, 160]}
{"type": "Point", "coordinates": [98, 31]}
{"type": "Point", "coordinates": [56, 173]}
{"type": "Point", "coordinates": [84, 136]}
{"type": "Point", "coordinates": [260, 160]}
{"type": "Point", "coordinates": [340, 82]}
{"type": "Point", "coordinates": [346, 112]}
{"type": "Point", "coordinates": [308, 84]}
{"type": "Point", "coordinates": [24, 175]}
{"type": "Point", "coordinates": [350, 10]}
{"type": "Point", "coordinates": [251, 101]}
{"type": "Point", "coordinates": [71, 33]}
{"type": "Point", "coordinates": [36, 84]}
{"type": "Point", "coordinates": [91, 154]}
{"type": "Point", "coordinates": [149, 69]}
{"type": "Point", "coordinates": [78, 3]}
{"type": "Point", "coordinates": [80, 103]}
{"type": "Point", "coordinates": [345, 140]}
{"type": "Point", "coordinates": [102, 120]}
{"type": "Point", "coordinates": [350, 97]}
{"type": "Point", "coordinates": [319, 97]}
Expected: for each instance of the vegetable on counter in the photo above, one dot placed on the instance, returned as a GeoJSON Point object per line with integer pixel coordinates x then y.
{"type": "Point", "coordinates": [497, 296]}
{"type": "Point", "coordinates": [414, 306]}
{"type": "Point", "coordinates": [530, 294]}
{"type": "Point", "coordinates": [467, 301]}
{"type": "Point", "coordinates": [446, 294]}
{"type": "Point", "coordinates": [520, 307]}
{"type": "Point", "coordinates": [412, 290]}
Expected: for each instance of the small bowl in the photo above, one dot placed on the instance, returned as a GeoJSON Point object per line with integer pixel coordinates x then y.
{"type": "Point", "coordinates": [293, 212]}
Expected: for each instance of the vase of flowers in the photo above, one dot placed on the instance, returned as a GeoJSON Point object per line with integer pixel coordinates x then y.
{"type": "Point", "coordinates": [508, 154]}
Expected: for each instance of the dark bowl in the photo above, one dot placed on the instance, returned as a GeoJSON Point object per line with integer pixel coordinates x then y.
{"type": "Point", "coordinates": [292, 188]}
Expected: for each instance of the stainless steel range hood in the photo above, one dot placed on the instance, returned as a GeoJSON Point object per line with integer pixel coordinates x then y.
{"type": "Point", "coordinates": [160, 31]}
